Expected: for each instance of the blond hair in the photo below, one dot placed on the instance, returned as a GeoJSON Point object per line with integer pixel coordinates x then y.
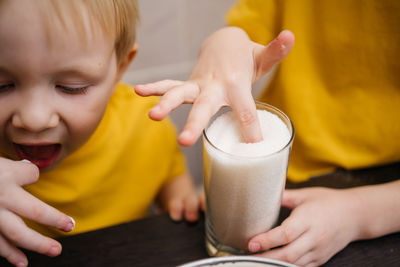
{"type": "Point", "coordinates": [116, 18]}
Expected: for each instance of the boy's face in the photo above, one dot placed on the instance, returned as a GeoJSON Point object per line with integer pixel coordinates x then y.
{"type": "Point", "coordinates": [54, 86]}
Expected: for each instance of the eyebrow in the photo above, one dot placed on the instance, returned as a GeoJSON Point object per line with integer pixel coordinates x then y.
{"type": "Point", "coordinates": [90, 69]}
{"type": "Point", "coordinates": [92, 73]}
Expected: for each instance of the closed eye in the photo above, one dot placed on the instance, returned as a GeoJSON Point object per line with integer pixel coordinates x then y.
{"type": "Point", "coordinates": [73, 90]}
{"type": "Point", "coordinates": [6, 87]}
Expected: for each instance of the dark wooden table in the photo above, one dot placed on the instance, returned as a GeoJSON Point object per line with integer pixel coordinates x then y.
{"type": "Point", "coordinates": [157, 241]}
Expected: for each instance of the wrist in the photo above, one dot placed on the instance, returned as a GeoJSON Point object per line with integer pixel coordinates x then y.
{"type": "Point", "coordinates": [353, 217]}
{"type": "Point", "coordinates": [376, 210]}
{"type": "Point", "coordinates": [357, 214]}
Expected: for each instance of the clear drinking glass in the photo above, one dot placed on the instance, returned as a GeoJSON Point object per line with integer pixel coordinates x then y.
{"type": "Point", "coordinates": [243, 194]}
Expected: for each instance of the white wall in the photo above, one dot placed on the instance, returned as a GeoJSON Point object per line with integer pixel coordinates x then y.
{"type": "Point", "coordinates": [169, 37]}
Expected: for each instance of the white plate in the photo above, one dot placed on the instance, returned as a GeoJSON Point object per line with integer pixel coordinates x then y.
{"type": "Point", "coordinates": [237, 261]}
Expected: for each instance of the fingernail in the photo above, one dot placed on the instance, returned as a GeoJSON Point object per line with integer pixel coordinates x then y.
{"type": "Point", "coordinates": [185, 134]}
{"type": "Point", "coordinates": [175, 216]}
{"type": "Point", "coordinates": [155, 109]}
{"type": "Point", "coordinates": [25, 160]}
{"type": "Point", "coordinates": [138, 87]}
{"type": "Point", "coordinates": [254, 246]}
{"type": "Point", "coordinates": [191, 216]}
{"type": "Point", "coordinates": [21, 264]}
{"type": "Point", "coordinates": [54, 251]}
{"type": "Point", "coordinates": [71, 224]}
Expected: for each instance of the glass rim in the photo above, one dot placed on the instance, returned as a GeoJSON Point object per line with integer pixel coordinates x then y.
{"type": "Point", "coordinates": [269, 107]}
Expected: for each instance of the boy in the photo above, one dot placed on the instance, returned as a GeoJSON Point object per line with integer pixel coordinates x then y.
{"type": "Point", "coordinates": [72, 139]}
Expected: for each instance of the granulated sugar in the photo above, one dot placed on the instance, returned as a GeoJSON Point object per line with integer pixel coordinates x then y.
{"type": "Point", "coordinates": [224, 133]}
{"type": "Point", "coordinates": [243, 182]}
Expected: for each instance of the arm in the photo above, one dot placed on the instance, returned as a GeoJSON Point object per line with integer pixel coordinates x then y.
{"type": "Point", "coordinates": [378, 209]}
{"type": "Point", "coordinates": [228, 63]}
{"type": "Point", "coordinates": [324, 221]}
{"type": "Point", "coordinates": [15, 203]}
{"type": "Point", "coordinates": [180, 199]}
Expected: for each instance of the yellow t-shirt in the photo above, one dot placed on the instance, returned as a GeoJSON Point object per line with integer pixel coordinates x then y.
{"type": "Point", "coordinates": [115, 176]}
{"type": "Point", "coordinates": [340, 85]}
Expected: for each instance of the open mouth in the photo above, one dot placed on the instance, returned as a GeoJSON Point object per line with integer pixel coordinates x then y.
{"type": "Point", "coordinates": [40, 155]}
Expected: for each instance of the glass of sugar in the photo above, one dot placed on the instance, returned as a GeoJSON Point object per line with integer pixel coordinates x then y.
{"type": "Point", "coordinates": [243, 182]}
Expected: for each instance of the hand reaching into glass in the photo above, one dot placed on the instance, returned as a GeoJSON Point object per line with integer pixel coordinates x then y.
{"type": "Point", "coordinates": [228, 63]}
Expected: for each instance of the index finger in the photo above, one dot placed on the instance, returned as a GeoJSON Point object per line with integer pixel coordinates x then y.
{"type": "Point", "coordinates": [202, 110]}
{"type": "Point", "coordinates": [19, 172]}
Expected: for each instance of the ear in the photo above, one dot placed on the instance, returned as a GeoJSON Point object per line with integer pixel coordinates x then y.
{"type": "Point", "coordinates": [126, 61]}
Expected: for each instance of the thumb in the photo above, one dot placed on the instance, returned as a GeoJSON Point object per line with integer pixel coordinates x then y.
{"type": "Point", "coordinates": [268, 56]}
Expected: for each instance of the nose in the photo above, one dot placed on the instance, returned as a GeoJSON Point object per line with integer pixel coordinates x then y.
{"type": "Point", "coordinates": [35, 114]}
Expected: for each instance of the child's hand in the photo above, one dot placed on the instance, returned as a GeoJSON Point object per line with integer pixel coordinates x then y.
{"type": "Point", "coordinates": [186, 207]}
{"type": "Point", "coordinates": [321, 224]}
{"type": "Point", "coordinates": [15, 203]}
{"type": "Point", "coordinates": [180, 199]}
{"type": "Point", "coordinates": [227, 66]}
